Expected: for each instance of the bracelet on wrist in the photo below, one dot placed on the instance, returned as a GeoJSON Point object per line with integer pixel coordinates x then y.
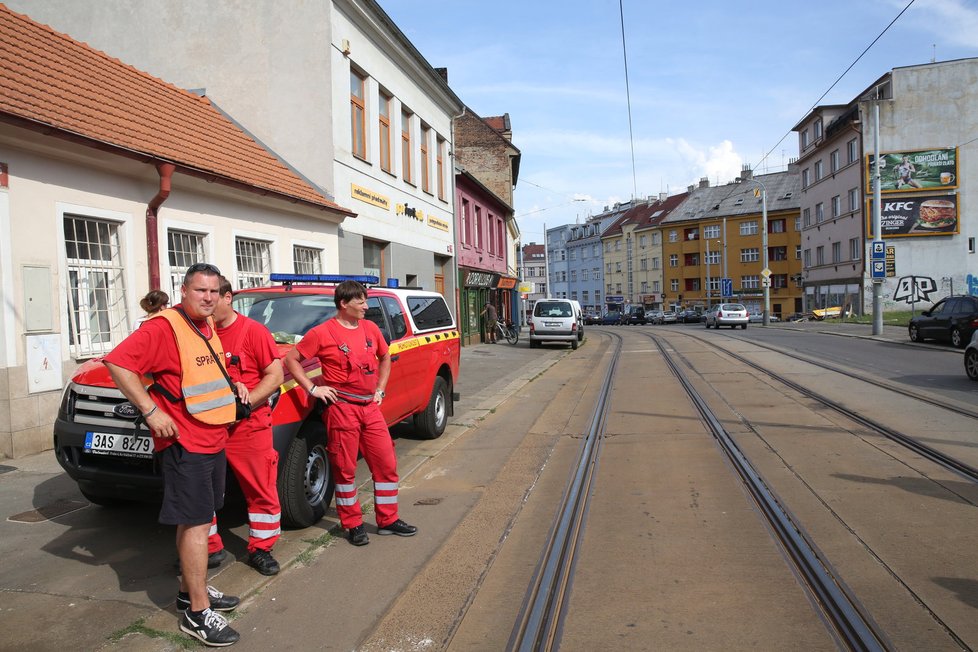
{"type": "Point", "coordinates": [312, 390]}
{"type": "Point", "coordinates": [150, 413]}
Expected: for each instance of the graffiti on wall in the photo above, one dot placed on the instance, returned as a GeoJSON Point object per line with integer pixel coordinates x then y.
{"type": "Point", "coordinates": [912, 289]}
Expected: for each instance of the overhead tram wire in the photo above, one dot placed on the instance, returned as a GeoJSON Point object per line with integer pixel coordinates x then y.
{"type": "Point", "coordinates": [829, 89]}
{"type": "Point", "coordinates": [628, 98]}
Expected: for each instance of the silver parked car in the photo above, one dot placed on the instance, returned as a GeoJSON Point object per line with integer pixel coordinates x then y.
{"type": "Point", "coordinates": [726, 314]}
{"type": "Point", "coordinates": [971, 358]}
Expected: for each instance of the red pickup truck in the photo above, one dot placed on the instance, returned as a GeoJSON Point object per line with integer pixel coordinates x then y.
{"type": "Point", "coordinates": [102, 447]}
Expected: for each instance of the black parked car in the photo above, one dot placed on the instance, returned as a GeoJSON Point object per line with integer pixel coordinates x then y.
{"type": "Point", "coordinates": [689, 317]}
{"type": "Point", "coordinates": [635, 315]}
{"type": "Point", "coordinates": [952, 319]}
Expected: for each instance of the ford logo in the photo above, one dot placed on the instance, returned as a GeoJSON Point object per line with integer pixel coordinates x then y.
{"type": "Point", "coordinates": [125, 410]}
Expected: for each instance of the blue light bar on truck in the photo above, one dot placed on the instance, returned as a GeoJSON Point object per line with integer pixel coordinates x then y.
{"type": "Point", "coordinates": [321, 278]}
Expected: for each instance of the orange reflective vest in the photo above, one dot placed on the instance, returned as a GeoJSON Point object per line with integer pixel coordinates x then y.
{"type": "Point", "coordinates": [206, 391]}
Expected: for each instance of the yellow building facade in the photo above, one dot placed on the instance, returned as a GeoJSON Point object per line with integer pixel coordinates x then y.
{"type": "Point", "coordinates": [717, 233]}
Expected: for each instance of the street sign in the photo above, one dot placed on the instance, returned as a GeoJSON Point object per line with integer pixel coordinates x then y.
{"type": "Point", "coordinates": [879, 269]}
{"type": "Point", "coordinates": [766, 282]}
{"type": "Point", "coordinates": [878, 250]}
{"type": "Point", "coordinates": [726, 287]}
{"type": "Point", "coordinates": [766, 273]}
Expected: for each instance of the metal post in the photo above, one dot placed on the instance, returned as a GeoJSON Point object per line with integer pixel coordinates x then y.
{"type": "Point", "coordinates": [766, 282]}
{"type": "Point", "coordinates": [707, 273]}
{"type": "Point", "coordinates": [877, 218]}
{"type": "Point", "coordinates": [725, 250]}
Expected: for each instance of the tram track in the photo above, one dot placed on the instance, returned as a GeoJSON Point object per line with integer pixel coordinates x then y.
{"type": "Point", "coordinates": [944, 460]}
{"type": "Point", "coordinates": [538, 625]}
{"type": "Point", "coordinates": [849, 622]}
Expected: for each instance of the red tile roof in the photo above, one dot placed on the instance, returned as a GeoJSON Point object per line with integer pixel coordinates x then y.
{"type": "Point", "coordinates": [47, 79]}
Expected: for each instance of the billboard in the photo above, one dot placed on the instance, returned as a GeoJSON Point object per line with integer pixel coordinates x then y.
{"type": "Point", "coordinates": [915, 170]}
{"type": "Point", "coordinates": [916, 216]}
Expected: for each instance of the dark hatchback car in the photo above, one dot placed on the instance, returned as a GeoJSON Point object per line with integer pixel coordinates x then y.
{"type": "Point", "coordinates": [611, 318]}
{"type": "Point", "coordinates": [635, 315]}
{"type": "Point", "coordinates": [689, 317]}
{"type": "Point", "coordinates": [952, 319]}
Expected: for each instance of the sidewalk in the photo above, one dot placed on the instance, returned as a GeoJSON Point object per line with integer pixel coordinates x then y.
{"type": "Point", "coordinates": [847, 329]}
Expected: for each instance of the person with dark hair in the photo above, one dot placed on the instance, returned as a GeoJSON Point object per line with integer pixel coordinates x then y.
{"type": "Point", "coordinates": [152, 304]}
{"type": "Point", "coordinates": [252, 361]}
{"type": "Point", "coordinates": [355, 366]}
{"type": "Point", "coordinates": [187, 409]}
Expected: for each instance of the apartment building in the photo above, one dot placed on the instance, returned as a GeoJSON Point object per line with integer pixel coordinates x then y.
{"type": "Point", "coordinates": [533, 270]}
{"type": "Point", "coordinates": [832, 206]}
{"type": "Point", "coordinates": [716, 233]}
{"type": "Point", "coordinates": [929, 160]}
{"type": "Point", "coordinates": [632, 248]}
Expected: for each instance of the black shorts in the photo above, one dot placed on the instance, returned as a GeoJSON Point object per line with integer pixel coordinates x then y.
{"type": "Point", "coordinates": [193, 485]}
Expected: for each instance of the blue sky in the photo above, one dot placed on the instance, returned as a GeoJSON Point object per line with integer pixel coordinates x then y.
{"type": "Point", "coordinates": [714, 84]}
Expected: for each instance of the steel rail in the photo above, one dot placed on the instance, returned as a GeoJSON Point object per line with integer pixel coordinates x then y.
{"type": "Point", "coordinates": [957, 466]}
{"type": "Point", "coordinates": [852, 628]}
{"type": "Point", "coordinates": [539, 623]}
{"type": "Point", "coordinates": [845, 372]}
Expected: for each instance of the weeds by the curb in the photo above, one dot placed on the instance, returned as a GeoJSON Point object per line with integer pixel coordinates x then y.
{"type": "Point", "coordinates": [178, 639]}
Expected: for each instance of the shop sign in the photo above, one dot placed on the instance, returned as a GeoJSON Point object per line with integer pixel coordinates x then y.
{"type": "Point", "coordinates": [407, 211]}
{"type": "Point", "coordinates": [506, 283]}
{"type": "Point", "coordinates": [437, 223]}
{"type": "Point", "coordinates": [475, 279]}
{"type": "Point", "coordinates": [369, 196]}
{"type": "Point", "coordinates": [526, 287]}
{"type": "Point", "coordinates": [916, 216]}
{"type": "Point", "coordinates": [915, 170]}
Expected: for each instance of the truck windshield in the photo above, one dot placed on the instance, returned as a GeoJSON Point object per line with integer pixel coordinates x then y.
{"type": "Point", "coordinates": [288, 316]}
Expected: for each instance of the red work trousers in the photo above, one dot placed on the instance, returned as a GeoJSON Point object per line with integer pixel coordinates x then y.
{"type": "Point", "coordinates": [254, 462]}
{"type": "Point", "coordinates": [353, 429]}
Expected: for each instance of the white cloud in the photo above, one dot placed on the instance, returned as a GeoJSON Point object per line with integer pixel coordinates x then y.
{"type": "Point", "coordinates": [955, 23]}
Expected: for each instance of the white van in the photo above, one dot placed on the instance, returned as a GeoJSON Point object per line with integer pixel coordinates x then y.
{"type": "Point", "coordinates": [555, 320]}
{"type": "Point", "coordinates": [579, 313]}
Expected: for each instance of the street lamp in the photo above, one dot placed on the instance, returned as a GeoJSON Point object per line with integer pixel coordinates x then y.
{"type": "Point", "coordinates": [766, 279]}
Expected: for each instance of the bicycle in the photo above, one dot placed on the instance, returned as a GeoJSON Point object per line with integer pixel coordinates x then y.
{"type": "Point", "coordinates": [510, 331]}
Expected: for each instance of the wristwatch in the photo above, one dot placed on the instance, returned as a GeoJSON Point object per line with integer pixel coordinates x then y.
{"type": "Point", "coordinates": [382, 393]}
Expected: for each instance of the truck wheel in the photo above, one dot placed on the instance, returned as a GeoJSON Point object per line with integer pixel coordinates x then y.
{"type": "Point", "coordinates": [431, 423]}
{"type": "Point", "coordinates": [305, 486]}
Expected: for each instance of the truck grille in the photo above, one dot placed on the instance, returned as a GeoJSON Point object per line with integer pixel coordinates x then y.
{"type": "Point", "coordinates": [96, 406]}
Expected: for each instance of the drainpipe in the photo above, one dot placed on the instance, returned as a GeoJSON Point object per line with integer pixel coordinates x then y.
{"type": "Point", "coordinates": [152, 230]}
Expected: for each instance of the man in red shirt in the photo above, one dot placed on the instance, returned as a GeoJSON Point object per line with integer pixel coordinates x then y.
{"type": "Point", "coordinates": [189, 430]}
{"type": "Point", "coordinates": [252, 360]}
{"type": "Point", "coordinates": [355, 365]}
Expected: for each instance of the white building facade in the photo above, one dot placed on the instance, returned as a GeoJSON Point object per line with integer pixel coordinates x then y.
{"type": "Point", "coordinates": [928, 114]}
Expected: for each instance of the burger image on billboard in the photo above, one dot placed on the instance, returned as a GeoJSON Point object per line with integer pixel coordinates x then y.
{"type": "Point", "coordinates": [936, 214]}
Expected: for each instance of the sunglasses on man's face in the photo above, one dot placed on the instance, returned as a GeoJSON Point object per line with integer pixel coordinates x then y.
{"type": "Point", "coordinates": [203, 267]}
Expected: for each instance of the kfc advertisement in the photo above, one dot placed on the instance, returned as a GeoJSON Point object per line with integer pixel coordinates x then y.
{"type": "Point", "coordinates": [914, 216]}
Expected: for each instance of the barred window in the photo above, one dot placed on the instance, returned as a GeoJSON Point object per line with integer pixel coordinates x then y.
{"type": "Point", "coordinates": [97, 314]}
{"type": "Point", "coordinates": [254, 262]}
{"type": "Point", "coordinates": [307, 260]}
{"type": "Point", "coordinates": [183, 250]}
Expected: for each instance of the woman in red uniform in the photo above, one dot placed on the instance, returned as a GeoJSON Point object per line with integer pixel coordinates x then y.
{"type": "Point", "coordinates": [355, 363]}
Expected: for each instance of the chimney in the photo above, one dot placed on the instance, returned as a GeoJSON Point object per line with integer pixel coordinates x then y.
{"type": "Point", "coordinates": [690, 188]}
{"type": "Point", "coordinates": [663, 196]}
{"type": "Point", "coordinates": [704, 182]}
{"type": "Point", "coordinates": [746, 174]}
